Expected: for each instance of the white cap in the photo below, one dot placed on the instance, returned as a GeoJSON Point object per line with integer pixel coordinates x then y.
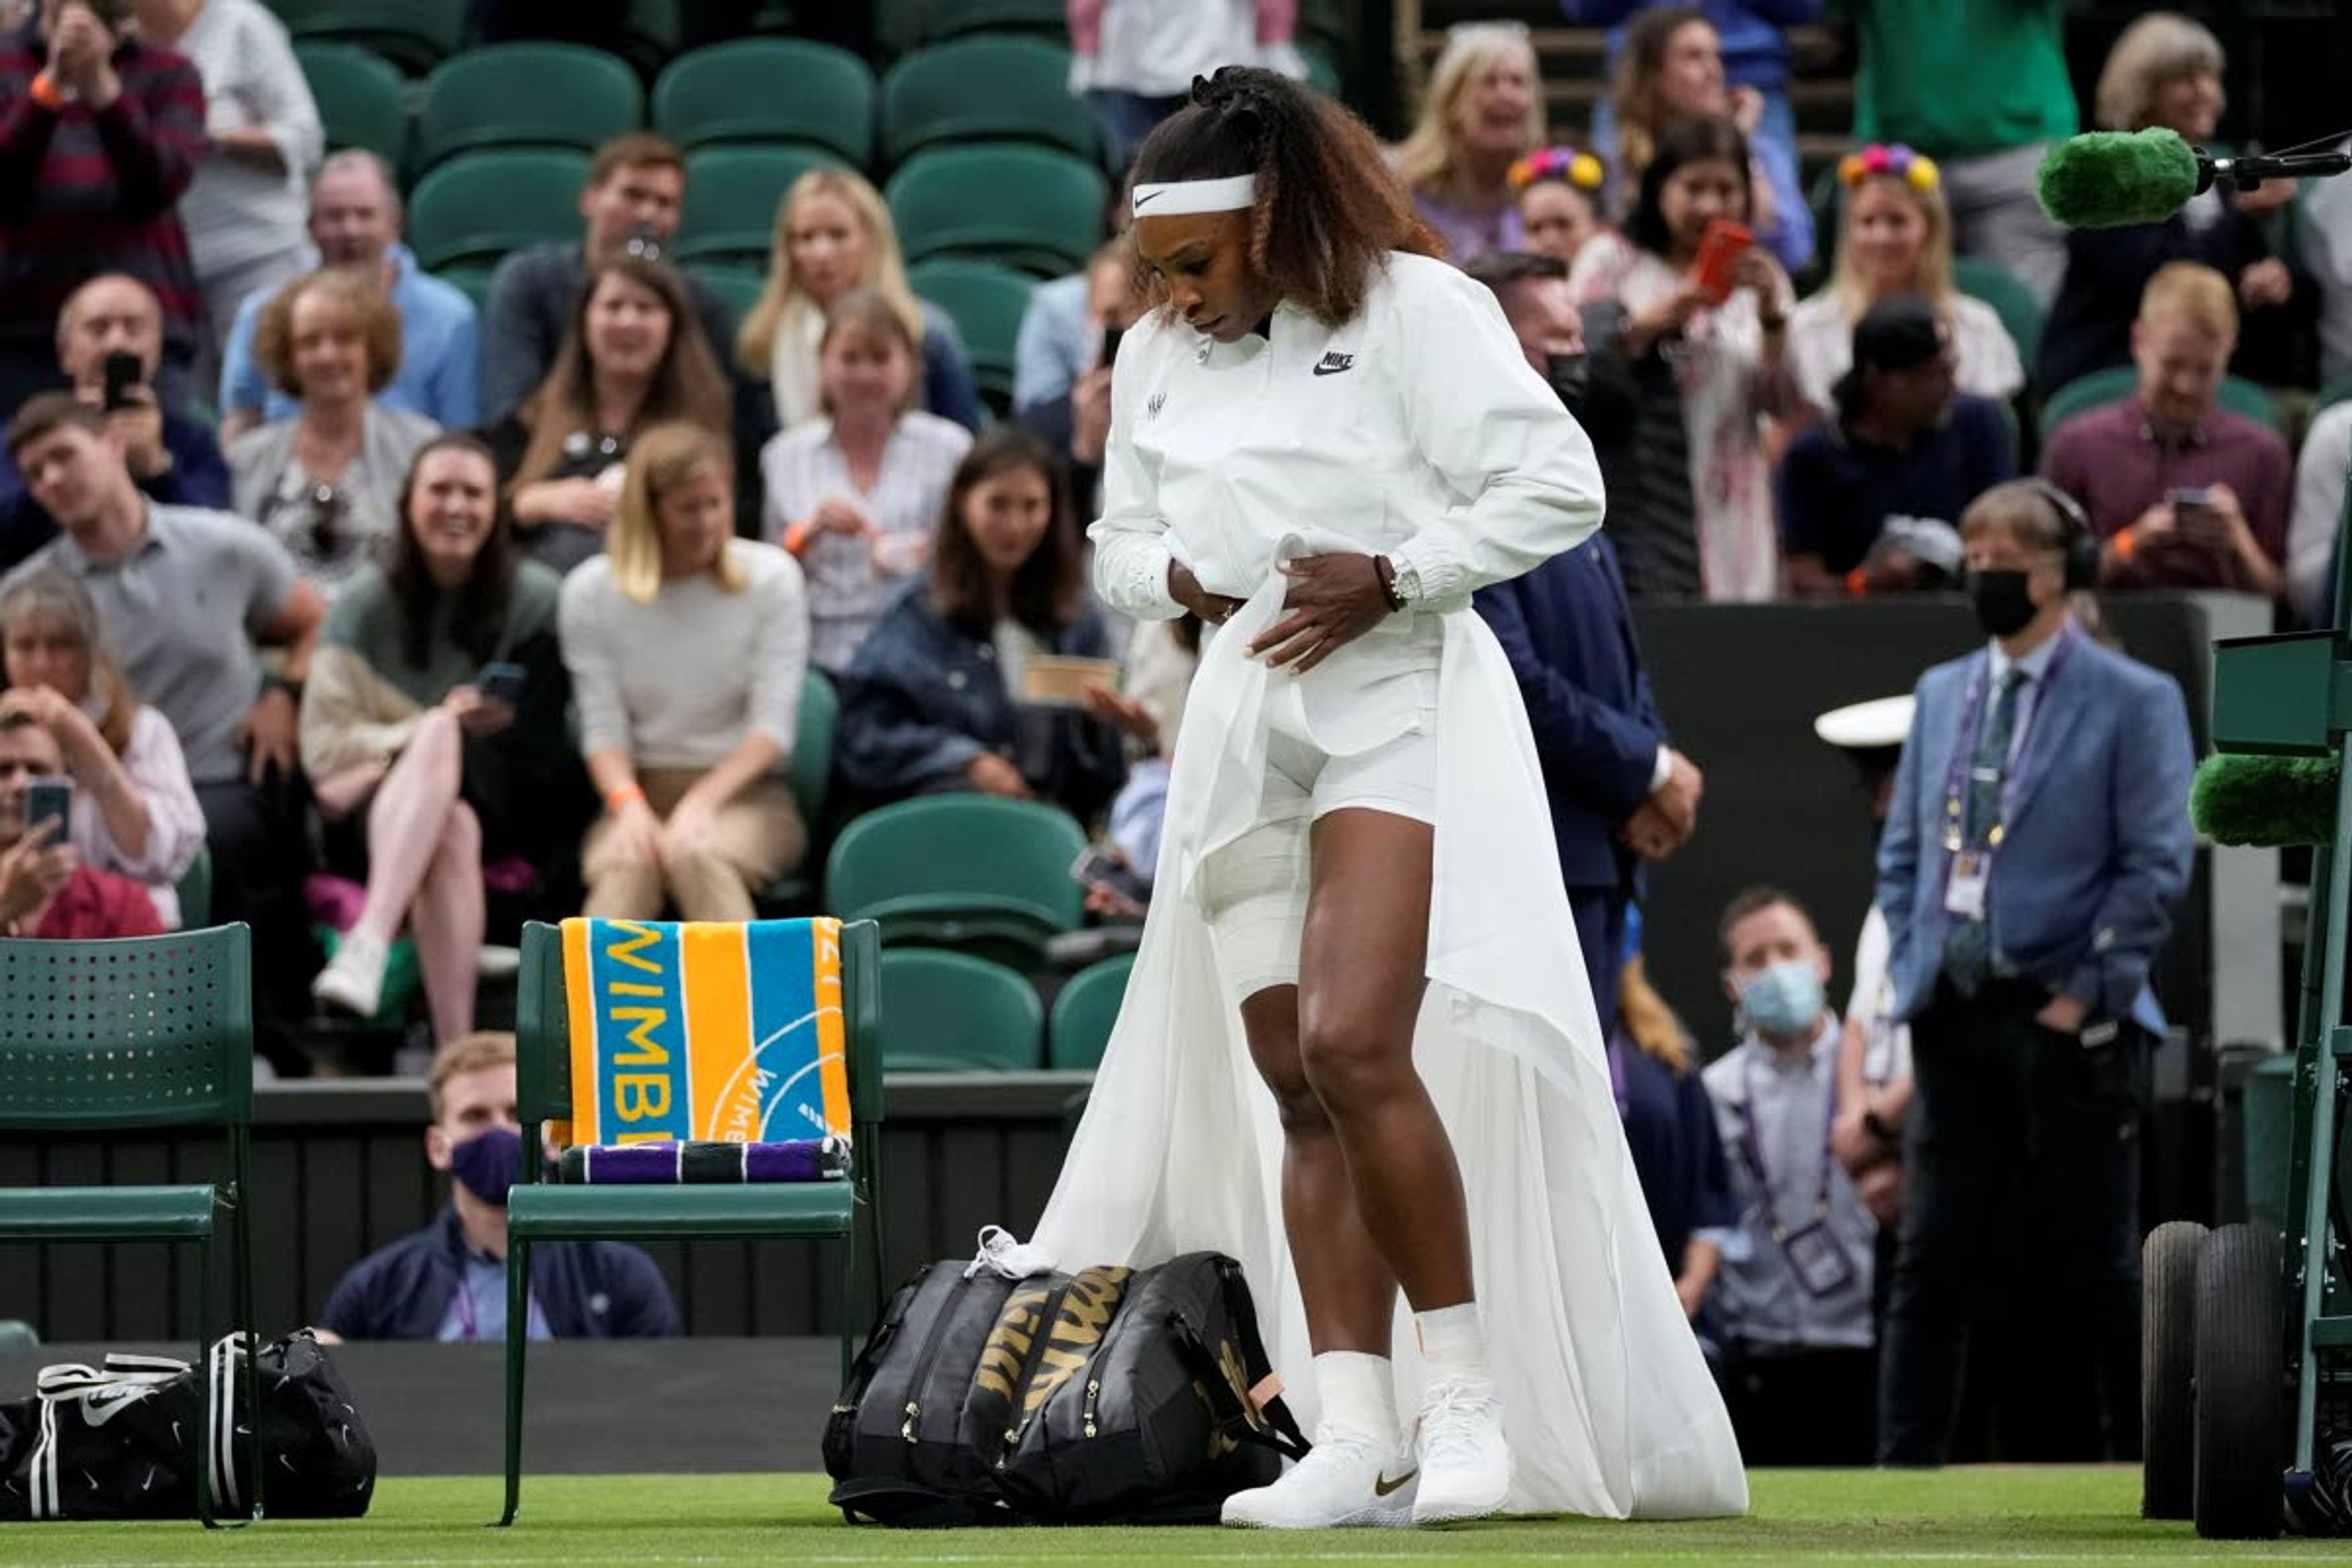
{"type": "Point", "coordinates": [1866, 726]}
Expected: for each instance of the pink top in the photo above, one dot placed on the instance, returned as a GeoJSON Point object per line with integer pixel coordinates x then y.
{"type": "Point", "coordinates": [175, 825]}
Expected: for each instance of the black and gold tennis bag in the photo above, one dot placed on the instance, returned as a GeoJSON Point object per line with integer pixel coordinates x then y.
{"type": "Point", "coordinates": [1108, 1396]}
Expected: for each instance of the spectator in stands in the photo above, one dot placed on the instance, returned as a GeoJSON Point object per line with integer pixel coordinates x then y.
{"type": "Point", "coordinates": [1559, 201]}
{"type": "Point", "coordinates": [1138, 58]}
{"type": "Point", "coordinates": [243, 210]}
{"type": "Point", "coordinates": [1669, 1128]}
{"type": "Point", "coordinates": [98, 136]}
{"type": "Point", "coordinates": [1483, 111]}
{"type": "Point", "coordinates": [1062, 360]}
{"type": "Point", "coordinates": [688, 648]}
{"type": "Point", "coordinates": [2182, 492]}
{"type": "Point", "coordinates": [47, 891]}
{"type": "Point", "coordinates": [434, 731]}
{"type": "Point", "coordinates": [834, 236]}
{"type": "Point", "coordinates": [448, 1281]}
{"type": "Point", "coordinates": [634, 200]}
{"type": "Point", "coordinates": [1727, 359]}
{"type": "Point", "coordinates": [1985, 113]}
{"type": "Point", "coordinates": [2035, 847]}
{"type": "Point", "coordinates": [1870, 502]}
{"type": "Point", "coordinates": [2314, 535]}
{"type": "Point", "coordinates": [630, 361]}
{"type": "Point", "coordinates": [172, 457]}
{"type": "Point", "coordinates": [1162, 656]}
{"type": "Point", "coordinates": [184, 595]}
{"type": "Point", "coordinates": [1800, 1373]}
{"type": "Point", "coordinates": [856, 495]}
{"type": "Point", "coordinates": [1671, 71]}
{"type": "Point", "coordinates": [935, 699]}
{"type": "Point", "coordinates": [2166, 70]}
{"type": "Point", "coordinates": [326, 480]}
{"type": "Point", "coordinates": [2327, 256]}
{"type": "Point", "coordinates": [354, 223]}
{"type": "Point", "coordinates": [134, 810]}
{"type": "Point", "coordinates": [1895, 237]}
{"type": "Point", "coordinates": [1752, 41]}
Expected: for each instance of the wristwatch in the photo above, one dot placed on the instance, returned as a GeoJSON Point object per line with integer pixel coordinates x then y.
{"type": "Point", "coordinates": [1875, 1125]}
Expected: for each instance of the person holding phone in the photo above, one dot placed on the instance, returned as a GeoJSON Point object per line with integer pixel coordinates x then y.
{"type": "Point", "coordinates": [1713, 308]}
{"type": "Point", "coordinates": [433, 730]}
{"type": "Point", "coordinates": [45, 890]}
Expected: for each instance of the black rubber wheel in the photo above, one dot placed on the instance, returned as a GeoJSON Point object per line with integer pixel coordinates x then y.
{"type": "Point", "coordinates": [2167, 1368]}
{"type": "Point", "coordinates": [2241, 1406]}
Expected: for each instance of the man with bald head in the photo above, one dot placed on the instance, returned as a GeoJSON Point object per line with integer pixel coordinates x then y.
{"type": "Point", "coordinates": [355, 219]}
{"type": "Point", "coordinates": [172, 458]}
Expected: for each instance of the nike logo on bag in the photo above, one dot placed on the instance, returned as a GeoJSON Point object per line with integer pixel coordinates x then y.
{"type": "Point", "coordinates": [1384, 1487]}
{"type": "Point", "coordinates": [1333, 363]}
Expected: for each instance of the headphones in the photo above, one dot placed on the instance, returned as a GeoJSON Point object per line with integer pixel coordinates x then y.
{"type": "Point", "coordinates": [2077, 542]}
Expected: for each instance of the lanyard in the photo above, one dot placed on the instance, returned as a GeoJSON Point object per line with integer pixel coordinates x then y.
{"type": "Point", "coordinates": [1751, 1152]}
{"type": "Point", "coordinates": [469, 1323]}
{"type": "Point", "coordinates": [1617, 1073]}
{"type": "Point", "coordinates": [1972, 722]}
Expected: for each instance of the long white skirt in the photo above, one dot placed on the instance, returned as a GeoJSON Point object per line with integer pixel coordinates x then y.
{"type": "Point", "coordinates": [1609, 1406]}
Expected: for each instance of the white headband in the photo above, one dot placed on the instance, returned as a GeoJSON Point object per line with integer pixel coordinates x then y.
{"type": "Point", "coordinates": [1179, 197]}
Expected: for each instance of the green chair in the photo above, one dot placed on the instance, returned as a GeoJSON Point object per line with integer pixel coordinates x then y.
{"type": "Point", "coordinates": [2116, 383]}
{"type": "Point", "coordinates": [732, 195]}
{"type": "Point", "coordinates": [2020, 313]}
{"type": "Point", "coordinates": [414, 34]}
{"type": "Point", "coordinates": [1084, 1011]}
{"type": "Point", "coordinates": [967, 871]}
{"type": "Point", "coordinates": [526, 95]}
{"type": "Point", "coordinates": [769, 91]}
{"type": "Point", "coordinates": [480, 206]}
{"type": "Point", "coordinates": [929, 99]}
{"type": "Point", "coordinates": [195, 892]}
{"type": "Point", "coordinates": [1029, 207]}
{"type": "Point", "coordinates": [361, 99]}
{"type": "Point", "coordinates": [949, 1012]}
{"type": "Point", "coordinates": [987, 301]}
{"type": "Point", "coordinates": [650, 36]}
{"type": "Point", "coordinates": [473, 280]}
{"type": "Point", "coordinates": [2335, 392]}
{"type": "Point", "coordinates": [737, 286]}
{"type": "Point", "coordinates": [954, 18]}
{"type": "Point", "coordinates": [539, 1210]}
{"type": "Point", "coordinates": [812, 779]}
{"type": "Point", "coordinates": [100, 1037]}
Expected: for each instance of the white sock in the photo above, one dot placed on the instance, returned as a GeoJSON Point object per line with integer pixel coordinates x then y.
{"type": "Point", "coordinates": [1452, 1343]}
{"type": "Point", "coordinates": [1358, 1392]}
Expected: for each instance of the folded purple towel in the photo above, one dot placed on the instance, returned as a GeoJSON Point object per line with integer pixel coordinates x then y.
{"type": "Point", "coordinates": [799, 1160]}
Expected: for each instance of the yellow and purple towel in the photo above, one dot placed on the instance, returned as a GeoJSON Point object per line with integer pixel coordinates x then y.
{"type": "Point", "coordinates": [760, 1004]}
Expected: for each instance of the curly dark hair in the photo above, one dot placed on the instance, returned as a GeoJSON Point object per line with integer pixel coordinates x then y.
{"type": "Point", "coordinates": [1681, 144]}
{"type": "Point", "coordinates": [1329, 209]}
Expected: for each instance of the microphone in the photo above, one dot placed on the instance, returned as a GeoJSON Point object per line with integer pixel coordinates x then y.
{"type": "Point", "coordinates": [2109, 178]}
{"type": "Point", "coordinates": [2264, 800]}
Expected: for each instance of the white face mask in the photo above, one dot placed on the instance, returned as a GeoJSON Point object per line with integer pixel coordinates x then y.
{"type": "Point", "coordinates": [1785, 999]}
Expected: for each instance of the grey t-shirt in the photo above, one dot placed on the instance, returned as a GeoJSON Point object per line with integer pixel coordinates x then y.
{"type": "Point", "coordinates": [180, 613]}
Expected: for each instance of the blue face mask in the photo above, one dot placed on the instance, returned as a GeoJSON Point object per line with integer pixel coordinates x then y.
{"type": "Point", "coordinates": [1785, 999]}
{"type": "Point", "coordinates": [488, 1164]}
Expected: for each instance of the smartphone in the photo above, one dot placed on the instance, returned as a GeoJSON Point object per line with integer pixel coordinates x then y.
{"type": "Point", "coordinates": [47, 798]}
{"type": "Point", "coordinates": [1101, 863]}
{"type": "Point", "coordinates": [2198, 498]}
{"type": "Point", "coordinates": [1719, 250]}
{"type": "Point", "coordinates": [1111, 334]}
{"type": "Point", "coordinates": [124, 370]}
{"type": "Point", "coordinates": [500, 682]}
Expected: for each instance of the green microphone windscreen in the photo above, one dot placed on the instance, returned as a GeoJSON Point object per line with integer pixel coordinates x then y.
{"type": "Point", "coordinates": [2112, 177]}
{"type": "Point", "coordinates": [2240, 799]}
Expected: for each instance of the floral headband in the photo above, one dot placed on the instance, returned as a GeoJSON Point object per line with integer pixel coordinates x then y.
{"type": "Point", "coordinates": [1581, 170]}
{"type": "Point", "coordinates": [1914, 169]}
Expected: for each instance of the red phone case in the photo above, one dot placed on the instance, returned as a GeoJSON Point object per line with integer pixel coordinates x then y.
{"type": "Point", "coordinates": [1719, 250]}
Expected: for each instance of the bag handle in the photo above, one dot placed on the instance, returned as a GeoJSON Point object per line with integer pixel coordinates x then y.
{"type": "Point", "coordinates": [1235, 1420]}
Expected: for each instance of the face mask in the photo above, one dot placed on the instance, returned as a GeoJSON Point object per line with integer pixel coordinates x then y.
{"type": "Point", "coordinates": [488, 1164]}
{"type": "Point", "coordinates": [1785, 999]}
{"type": "Point", "coordinates": [1570, 376]}
{"type": "Point", "coordinates": [2004, 603]}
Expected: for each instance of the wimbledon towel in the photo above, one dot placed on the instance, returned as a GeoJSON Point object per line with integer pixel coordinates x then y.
{"type": "Point", "coordinates": [705, 1031]}
{"type": "Point", "coordinates": [798, 1160]}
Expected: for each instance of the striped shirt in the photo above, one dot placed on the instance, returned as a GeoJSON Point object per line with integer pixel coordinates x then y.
{"type": "Point", "coordinates": [847, 589]}
{"type": "Point", "coordinates": [85, 192]}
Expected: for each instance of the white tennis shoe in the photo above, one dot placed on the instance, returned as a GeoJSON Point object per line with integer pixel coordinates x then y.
{"type": "Point", "coordinates": [1349, 1479]}
{"type": "Point", "coordinates": [1465, 1465]}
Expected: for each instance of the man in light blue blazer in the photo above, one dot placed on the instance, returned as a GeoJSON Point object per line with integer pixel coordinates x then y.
{"type": "Point", "coordinates": [2036, 845]}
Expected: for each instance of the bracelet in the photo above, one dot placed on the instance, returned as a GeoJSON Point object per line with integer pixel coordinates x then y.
{"type": "Point", "coordinates": [48, 93]}
{"type": "Point", "coordinates": [627, 795]}
{"type": "Point", "coordinates": [1385, 570]}
{"type": "Point", "coordinates": [1857, 583]}
{"type": "Point", "coordinates": [795, 537]}
{"type": "Point", "coordinates": [2124, 543]}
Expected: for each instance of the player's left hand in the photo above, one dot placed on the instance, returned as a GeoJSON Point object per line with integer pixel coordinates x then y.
{"type": "Point", "coordinates": [1333, 600]}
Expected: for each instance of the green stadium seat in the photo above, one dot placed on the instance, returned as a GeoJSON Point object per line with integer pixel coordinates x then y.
{"type": "Point", "coordinates": [812, 763]}
{"type": "Point", "coordinates": [932, 98]}
{"type": "Point", "coordinates": [954, 18]}
{"type": "Point", "coordinates": [471, 279]}
{"type": "Point", "coordinates": [2113, 384]}
{"type": "Point", "coordinates": [362, 99]}
{"type": "Point", "coordinates": [195, 892]}
{"type": "Point", "coordinates": [987, 303]}
{"type": "Point", "coordinates": [949, 1012]}
{"type": "Point", "coordinates": [738, 287]}
{"type": "Point", "coordinates": [480, 206]}
{"type": "Point", "coordinates": [649, 38]}
{"type": "Point", "coordinates": [1084, 1013]}
{"type": "Point", "coordinates": [2020, 313]}
{"type": "Point", "coordinates": [966, 871]}
{"type": "Point", "coordinates": [1029, 207]}
{"type": "Point", "coordinates": [414, 34]}
{"type": "Point", "coordinates": [526, 95]}
{"type": "Point", "coordinates": [102, 1036]}
{"type": "Point", "coordinates": [769, 91]}
{"type": "Point", "coordinates": [731, 197]}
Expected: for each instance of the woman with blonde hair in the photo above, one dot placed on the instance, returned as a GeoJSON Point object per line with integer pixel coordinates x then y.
{"type": "Point", "coordinates": [134, 812]}
{"type": "Point", "coordinates": [834, 235]}
{"type": "Point", "coordinates": [1482, 113]}
{"type": "Point", "coordinates": [688, 647]}
{"type": "Point", "coordinates": [1895, 237]}
{"type": "Point", "coordinates": [2166, 70]}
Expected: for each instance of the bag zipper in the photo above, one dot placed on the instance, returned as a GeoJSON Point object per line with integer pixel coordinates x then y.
{"type": "Point", "coordinates": [914, 1406]}
{"type": "Point", "coordinates": [1046, 1315]}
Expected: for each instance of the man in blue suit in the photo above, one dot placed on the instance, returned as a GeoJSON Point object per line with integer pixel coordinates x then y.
{"type": "Point", "coordinates": [1620, 793]}
{"type": "Point", "coordinates": [2037, 842]}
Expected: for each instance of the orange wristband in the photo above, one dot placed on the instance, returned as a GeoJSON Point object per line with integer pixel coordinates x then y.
{"type": "Point", "coordinates": [796, 536]}
{"type": "Point", "coordinates": [48, 93]}
{"type": "Point", "coordinates": [2124, 545]}
{"type": "Point", "coordinates": [1857, 583]}
{"type": "Point", "coordinates": [628, 795]}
